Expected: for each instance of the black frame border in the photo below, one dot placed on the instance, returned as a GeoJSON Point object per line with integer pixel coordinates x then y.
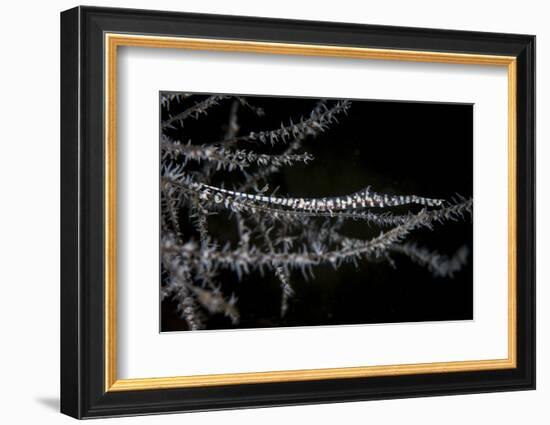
{"type": "Point", "coordinates": [82, 204]}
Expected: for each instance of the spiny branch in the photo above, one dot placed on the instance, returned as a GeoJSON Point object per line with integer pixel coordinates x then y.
{"type": "Point", "coordinates": [348, 250]}
{"type": "Point", "coordinates": [194, 111]}
{"type": "Point", "coordinates": [316, 123]}
{"type": "Point", "coordinates": [440, 265]}
{"type": "Point", "coordinates": [227, 159]}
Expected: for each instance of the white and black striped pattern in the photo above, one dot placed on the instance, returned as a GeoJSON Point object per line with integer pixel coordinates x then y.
{"type": "Point", "coordinates": [358, 200]}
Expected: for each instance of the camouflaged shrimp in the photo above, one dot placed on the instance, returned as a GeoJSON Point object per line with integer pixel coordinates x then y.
{"type": "Point", "coordinates": [359, 200]}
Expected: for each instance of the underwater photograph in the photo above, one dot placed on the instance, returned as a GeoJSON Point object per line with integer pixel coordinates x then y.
{"type": "Point", "coordinates": [295, 211]}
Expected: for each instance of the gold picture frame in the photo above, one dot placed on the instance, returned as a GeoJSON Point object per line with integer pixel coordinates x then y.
{"type": "Point", "coordinates": [114, 41]}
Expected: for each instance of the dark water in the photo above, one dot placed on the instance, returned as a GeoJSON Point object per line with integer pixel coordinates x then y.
{"type": "Point", "coordinates": [396, 148]}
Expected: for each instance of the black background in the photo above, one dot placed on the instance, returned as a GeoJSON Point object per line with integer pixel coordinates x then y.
{"type": "Point", "coordinates": [396, 148]}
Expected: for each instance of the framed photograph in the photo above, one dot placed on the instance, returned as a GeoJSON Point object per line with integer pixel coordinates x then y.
{"type": "Point", "coordinates": [261, 212]}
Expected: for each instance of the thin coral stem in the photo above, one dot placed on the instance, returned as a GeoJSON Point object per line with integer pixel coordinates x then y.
{"type": "Point", "coordinates": [317, 122]}
{"type": "Point", "coordinates": [231, 159]}
{"type": "Point", "coordinates": [439, 264]}
{"type": "Point", "coordinates": [193, 111]}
